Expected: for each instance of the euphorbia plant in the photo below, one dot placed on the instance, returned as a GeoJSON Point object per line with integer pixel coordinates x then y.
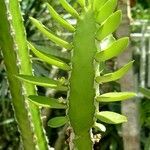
{"type": "Point", "coordinates": [95, 24]}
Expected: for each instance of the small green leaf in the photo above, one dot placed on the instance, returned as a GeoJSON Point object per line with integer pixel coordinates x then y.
{"type": "Point", "coordinates": [115, 96]}
{"type": "Point", "coordinates": [81, 2]}
{"type": "Point", "coordinates": [104, 44]}
{"type": "Point", "coordinates": [59, 19]}
{"type": "Point", "coordinates": [97, 4]}
{"type": "Point", "coordinates": [145, 92]}
{"type": "Point", "coordinates": [100, 127]}
{"type": "Point", "coordinates": [53, 52]}
{"type": "Point", "coordinates": [52, 37]}
{"type": "Point", "coordinates": [47, 102]}
{"type": "Point", "coordinates": [109, 26]}
{"type": "Point", "coordinates": [106, 11]}
{"type": "Point", "coordinates": [43, 81]}
{"type": "Point", "coordinates": [49, 58]}
{"type": "Point", "coordinates": [113, 50]}
{"type": "Point", "coordinates": [111, 117]}
{"type": "Point", "coordinates": [115, 75]}
{"type": "Point", "coordinates": [69, 8]}
{"type": "Point", "coordinates": [57, 122]}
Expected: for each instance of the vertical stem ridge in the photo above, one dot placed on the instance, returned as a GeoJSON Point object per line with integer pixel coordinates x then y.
{"type": "Point", "coordinates": [8, 49]}
{"type": "Point", "coordinates": [15, 51]}
{"type": "Point", "coordinates": [82, 89]}
{"type": "Point", "coordinates": [26, 68]}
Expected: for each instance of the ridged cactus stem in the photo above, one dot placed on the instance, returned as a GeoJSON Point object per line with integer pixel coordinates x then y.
{"type": "Point", "coordinates": [82, 79]}
{"type": "Point", "coordinates": [16, 57]}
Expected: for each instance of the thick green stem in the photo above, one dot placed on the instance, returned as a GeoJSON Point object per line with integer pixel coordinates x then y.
{"type": "Point", "coordinates": [26, 68]}
{"type": "Point", "coordinates": [82, 91]}
{"type": "Point", "coordinates": [21, 113]}
{"type": "Point", "coordinates": [83, 142]}
{"type": "Point", "coordinates": [16, 57]}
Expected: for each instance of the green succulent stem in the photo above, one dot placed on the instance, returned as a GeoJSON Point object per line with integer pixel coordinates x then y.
{"type": "Point", "coordinates": [82, 79]}
{"type": "Point", "coordinates": [16, 58]}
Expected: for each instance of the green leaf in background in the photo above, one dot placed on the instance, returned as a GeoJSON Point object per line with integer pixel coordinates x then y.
{"type": "Point", "coordinates": [59, 19]}
{"type": "Point", "coordinates": [115, 96]}
{"type": "Point", "coordinates": [100, 127]}
{"type": "Point", "coordinates": [6, 122]}
{"type": "Point", "coordinates": [115, 75]}
{"type": "Point", "coordinates": [145, 92]}
{"type": "Point", "coordinates": [49, 58]}
{"type": "Point", "coordinates": [110, 117]}
{"type": "Point", "coordinates": [81, 2]}
{"type": "Point", "coordinates": [97, 4]}
{"type": "Point", "coordinates": [69, 8]}
{"type": "Point", "coordinates": [43, 81]}
{"type": "Point", "coordinates": [113, 50]}
{"type": "Point", "coordinates": [47, 102]}
{"type": "Point", "coordinates": [147, 143]}
{"type": "Point", "coordinates": [109, 26]}
{"type": "Point", "coordinates": [52, 37]}
{"type": "Point", "coordinates": [105, 11]}
{"type": "Point", "coordinates": [57, 122]}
